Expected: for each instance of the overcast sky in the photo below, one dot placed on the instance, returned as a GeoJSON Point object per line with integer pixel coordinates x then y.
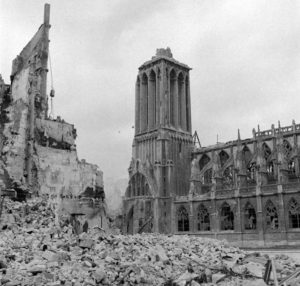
{"type": "Point", "coordinates": [245, 57]}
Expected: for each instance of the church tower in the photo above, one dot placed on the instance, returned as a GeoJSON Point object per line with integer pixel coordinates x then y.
{"type": "Point", "coordinates": [160, 166]}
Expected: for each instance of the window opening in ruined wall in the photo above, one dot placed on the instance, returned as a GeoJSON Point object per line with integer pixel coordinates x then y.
{"type": "Point", "coordinates": [203, 161]}
{"type": "Point", "coordinates": [227, 217]}
{"type": "Point", "coordinates": [294, 214]}
{"type": "Point", "coordinates": [250, 216]}
{"type": "Point", "coordinates": [251, 166]}
{"type": "Point", "coordinates": [138, 186]}
{"type": "Point", "coordinates": [228, 177]}
{"type": "Point", "coordinates": [270, 164]}
{"type": "Point", "coordinates": [223, 157]}
{"type": "Point", "coordinates": [287, 149]}
{"type": "Point", "coordinates": [203, 221]}
{"type": "Point", "coordinates": [183, 219]}
{"type": "Point", "coordinates": [271, 216]}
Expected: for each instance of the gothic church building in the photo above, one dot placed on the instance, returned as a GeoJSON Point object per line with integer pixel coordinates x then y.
{"type": "Point", "coordinates": [246, 191]}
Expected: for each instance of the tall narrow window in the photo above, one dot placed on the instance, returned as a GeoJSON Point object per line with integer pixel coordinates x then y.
{"type": "Point", "coordinates": [228, 177]}
{"type": "Point", "coordinates": [187, 104]}
{"type": "Point", "coordinates": [227, 217]}
{"type": "Point", "coordinates": [183, 219]}
{"type": "Point", "coordinates": [203, 161]}
{"type": "Point", "coordinates": [203, 221]}
{"type": "Point", "coordinates": [173, 82]}
{"type": "Point", "coordinates": [294, 214]}
{"type": "Point", "coordinates": [207, 177]}
{"type": "Point", "coordinates": [271, 216]}
{"type": "Point", "coordinates": [250, 216]}
{"type": "Point", "coordinates": [223, 157]}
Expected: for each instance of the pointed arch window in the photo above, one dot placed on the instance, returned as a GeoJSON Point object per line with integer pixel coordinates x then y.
{"type": "Point", "coordinates": [294, 214]}
{"type": "Point", "coordinates": [227, 217]}
{"type": "Point", "coordinates": [203, 220]}
{"type": "Point", "coordinates": [271, 216]}
{"type": "Point", "coordinates": [138, 186]}
{"type": "Point", "coordinates": [207, 177]}
{"type": "Point", "coordinates": [266, 151]}
{"type": "Point", "coordinates": [287, 148]}
{"type": "Point", "coordinates": [183, 219]}
{"type": "Point", "coordinates": [250, 216]}
{"type": "Point", "coordinates": [247, 155]}
{"type": "Point", "coordinates": [251, 172]}
{"type": "Point", "coordinates": [228, 177]}
{"type": "Point", "coordinates": [203, 161]}
{"type": "Point", "coordinates": [223, 157]}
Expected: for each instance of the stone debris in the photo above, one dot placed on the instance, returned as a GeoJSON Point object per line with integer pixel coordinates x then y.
{"type": "Point", "coordinates": [36, 251]}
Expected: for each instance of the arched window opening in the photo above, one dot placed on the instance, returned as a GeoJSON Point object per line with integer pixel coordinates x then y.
{"type": "Point", "coordinates": [173, 82]}
{"type": "Point", "coordinates": [223, 157]}
{"type": "Point", "coordinates": [144, 102]}
{"type": "Point", "coordinates": [203, 161]}
{"type": "Point", "coordinates": [228, 177]}
{"type": "Point", "coordinates": [294, 214]}
{"type": "Point", "coordinates": [251, 173]}
{"type": "Point", "coordinates": [187, 104]}
{"type": "Point", "coordinates": [152, 101]}
{"type": "Point", "coordinates": [138, 186]}
{"type": "Point", "coordinates": [266, 151]}
{"type": "Point", "coordinates": [287, 148]}
{"type": "Point", "coordinates": [207, 177]}
{"type": "Point", "coordinates": [227, 217]}
{"type": "Point", "coordinates": [203, 221]}
{"type": "Point", "coordinates": [180, 100]}
{"type": "Point", "coordinates": [250, 216]}
{"type": "Point", "coordinates": [271, 171]}
{"type": "Point", "coordinates": [292, 169]}
{"type": "Point", "coordinates": [271, 216]}
{"type": "Point", "coordinates": [247, 155]}
{"type": "Point", "coordinates": [183, 219]}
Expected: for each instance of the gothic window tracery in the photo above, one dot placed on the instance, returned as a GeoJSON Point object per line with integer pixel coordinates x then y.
{"type": "Point", "coordinates": [294, 214]}
{"type": "Point", "coordinates": [207, 177]}
{"type": "Point", "coordinates": [227, 217]}
{"type": "Point", "coordinates": [247, 155]}
{"type": "Point", "coordinates": [183, 219]}
{"type": "Point", "coordinates": [250, 216]}
{"type": "Point", "coordinates": [292, 168]}
{"type": "Point", "coordinates": [271, 216]}
{"type": "Point", "coordinates": [287, 148]}
{"type": "Point", "coordinates": [223, 157]}
{"type": "Point", "coordinates": [251, 172]}
{"type": "Point", "coordinates": [266, 151]}
{"type": "Point", "coordinates": [228, 176]}
{"type": "Point", "coordinates": [203, 221]}
{"type": "Point", "coordinates": [138, 186]}
{"type": "Point", "coordinates": [203, 161]}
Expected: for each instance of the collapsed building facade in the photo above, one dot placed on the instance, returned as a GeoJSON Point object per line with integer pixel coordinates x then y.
{"type": "Point", "coordinates": [38, 152]}
{"type": "Point", "coordinates": [246, 191]}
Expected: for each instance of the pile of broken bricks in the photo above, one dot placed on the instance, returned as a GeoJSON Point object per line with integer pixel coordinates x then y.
{"type": "Point", "coordinates": [34, 250]}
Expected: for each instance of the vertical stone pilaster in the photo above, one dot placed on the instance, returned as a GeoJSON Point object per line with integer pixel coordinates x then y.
{"type": "Point", "coordinates": [259, 215]}
{"type": "Point", "coordinates": [191, 217]}
{"type": "Point", "coordinates": [282, 216]}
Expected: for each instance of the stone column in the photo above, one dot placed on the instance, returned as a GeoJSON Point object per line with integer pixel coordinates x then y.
{"type": "Point", "coordinates": [259, 216]}
{"type": "Point", "coordinates": [281, 215]}
{"type": "Point", "coordinates": [137, 107]}
{"type": "Point", "coordinates": [183, 107]}
{"type": "Point", "coordinates": [191, 217]}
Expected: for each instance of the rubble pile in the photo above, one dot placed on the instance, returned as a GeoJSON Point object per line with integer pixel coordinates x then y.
{"type": "Point", "coordinates": [36, 251]}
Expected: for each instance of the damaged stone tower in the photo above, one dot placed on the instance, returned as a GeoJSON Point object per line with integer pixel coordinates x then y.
{"type": "Point", "coordinates": [160, 167]}
{"type": "Point", "coordinates": [38, 153]}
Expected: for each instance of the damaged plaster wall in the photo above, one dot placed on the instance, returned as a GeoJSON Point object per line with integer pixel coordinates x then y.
{"type": "Point", "coordinates": [38, 153]}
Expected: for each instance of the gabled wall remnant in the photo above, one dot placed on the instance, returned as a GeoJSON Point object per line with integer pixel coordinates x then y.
{"type": "Point", "coordinates": [38, 153]}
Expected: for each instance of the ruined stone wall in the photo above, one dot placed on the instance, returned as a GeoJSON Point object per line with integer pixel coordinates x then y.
{"type": "Point", "coordinates": [39, 153]}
